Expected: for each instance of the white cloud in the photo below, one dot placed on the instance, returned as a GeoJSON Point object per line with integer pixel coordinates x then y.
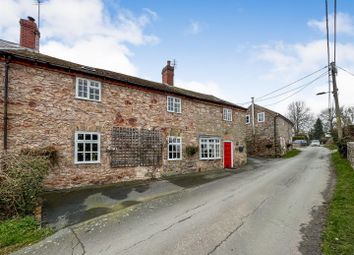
{"type": "Point", "coordinates": [194, 27]}
{"type": "Point", "coordinates": [345, 24]}
{"type": "Point", "coordinates": [207, 87]}
{"type": "Point", "coordinates": [83, 32]}
{"type": "Point", "coordinates": [290, 62]}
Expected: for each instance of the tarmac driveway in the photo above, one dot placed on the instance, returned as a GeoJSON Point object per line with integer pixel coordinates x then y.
{"type": "Point", "coordinates": [254, 212]}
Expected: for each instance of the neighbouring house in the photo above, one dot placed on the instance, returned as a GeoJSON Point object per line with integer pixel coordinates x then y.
{"type": "Point", "coordinates": [268, 133]}
{"type": "Point", "coordinates": [109, 127]}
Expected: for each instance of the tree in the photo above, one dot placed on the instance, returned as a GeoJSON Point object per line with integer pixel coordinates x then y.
{"type": "Point", "coordinates": [300, 115]}
{"type": "Point", "coordinates": [317, 130]}
{"type": "Point", "coordinates": [328, 119]}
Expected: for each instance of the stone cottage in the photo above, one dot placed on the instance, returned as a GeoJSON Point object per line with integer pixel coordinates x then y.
{"type": "Point", "coordinates": [109, 127]}
{"type": "Point", "coordinates": [268, 133]}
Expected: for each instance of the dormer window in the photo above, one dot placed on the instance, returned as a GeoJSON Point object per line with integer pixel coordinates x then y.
{"type": "Point", "coordinates": [88, 89]}
{"type": "Point", "coordinates": [174, 104]}
{"type": "Point", "coordinates": [227, 113]}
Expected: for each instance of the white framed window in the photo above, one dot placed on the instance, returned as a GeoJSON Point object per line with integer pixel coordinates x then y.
{"type": "Point", "coordinates": [88, 89]}
{"type": "Point", "coordinates": [248, 119]}
{"type": "Point", "coordinates": [174, 148]}
{"type": "Point", "coordinates": [209, 148]}
{"type": "Point", "coordinates": [227, 113]}
{"type": "Point", "coordinates": [174, 104]}
{"type": "Point", "coordinates": [261, 117]}
{"type": "Point", "coordinates": [87, 147]}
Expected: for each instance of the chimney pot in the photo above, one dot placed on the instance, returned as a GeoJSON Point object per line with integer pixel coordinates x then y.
{"type": "Point", "coordinates": [168, 73]}
{"type": "Point", "coordinates": [29, 34]}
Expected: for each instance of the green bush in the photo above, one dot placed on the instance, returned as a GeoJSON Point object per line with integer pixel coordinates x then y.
{"type": "Point", "coordinates": [21, 178]}
{"type": "Point", "coordinates": [191, 150]}
{"type": "Point", "coordinates": [342, 147]}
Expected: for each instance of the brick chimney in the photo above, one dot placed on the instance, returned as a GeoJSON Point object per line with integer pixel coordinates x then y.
{"type": "Point", "coordinates": [168, 73]}
{"type": "Point", "coordinates": [29, 34]}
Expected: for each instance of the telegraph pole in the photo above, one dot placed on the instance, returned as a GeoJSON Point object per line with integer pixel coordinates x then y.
{"type": "Point", "coordinates": [253, 117]}
{"type": "Point", "coordinates": [336, 101]}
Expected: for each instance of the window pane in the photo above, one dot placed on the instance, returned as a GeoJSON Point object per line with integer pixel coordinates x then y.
{"type": "Point", "coordinates": [87, 147]}
{"type": "Point", "coordinates": [80, 137]}
{"type": "Point", "coordinates": [87, 137]}
{"type": "Point", "coordinates": [94, 147]}
{"type": "Point", "coordinates": [80, 157]}
{"type": "Point", "coordinates": [80, 147]}
{"type": "Point", "coordinates": [94, 156]}
{"type": "Point", "coordinates": [88, 157]}
{"type": "Point", "coordinates": [94, 137]}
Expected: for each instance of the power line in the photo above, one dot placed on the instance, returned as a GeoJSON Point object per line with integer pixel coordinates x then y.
{"type": "Point", "coordinates": [290, 84]}
{"type": "Point", "coordinates": [284, 93]}
{"type": "Point", "coordinates": [345, 70]}
{"type": "Point", "coordinates": [281, 88]}
{"type": "Point", "coordinates": [299, 89]}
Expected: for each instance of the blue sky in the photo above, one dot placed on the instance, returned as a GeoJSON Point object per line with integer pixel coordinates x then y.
{"type": "Point", "coordinates": [232, 49]}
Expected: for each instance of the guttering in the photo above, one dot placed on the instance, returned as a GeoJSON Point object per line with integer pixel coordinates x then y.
{"type": "Point", "coordinates": [6, 100]}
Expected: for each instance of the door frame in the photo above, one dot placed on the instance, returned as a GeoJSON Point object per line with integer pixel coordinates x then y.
{"type": "Point", "coordinates": [232, 153]}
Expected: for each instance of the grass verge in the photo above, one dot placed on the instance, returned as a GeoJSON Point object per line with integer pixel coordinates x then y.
{"type": "Point", "coordinates": [338, 236]}
{"type": "Point", "coordinates": [291, 153]}
{"type": "Point", "coordinates": [16, 233]}
{"type": "Point", "coordinates": [331, 146]}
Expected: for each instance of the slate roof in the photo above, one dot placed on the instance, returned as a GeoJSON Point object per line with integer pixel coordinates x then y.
{"type": "Point", "coordinates": [33, 56]}
{"type": "Point", "coordinates": [9, 45]}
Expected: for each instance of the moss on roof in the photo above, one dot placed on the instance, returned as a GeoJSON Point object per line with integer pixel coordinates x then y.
{"type": "Point", "coordinates": [60, 63]}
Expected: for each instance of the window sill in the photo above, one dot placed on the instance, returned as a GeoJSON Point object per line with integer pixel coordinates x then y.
{"type": "Point", "coordinates": [87, 163]}
{"type": "Point", "coordinates": [86, 99]}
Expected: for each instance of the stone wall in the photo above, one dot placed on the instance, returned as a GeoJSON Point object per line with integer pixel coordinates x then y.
{"type": "Point", "coordinates": [350, 152]}
{"type": "Point", "coordinates": [263, 142]}
{"type": "Point", "coordinates": [43, 111]}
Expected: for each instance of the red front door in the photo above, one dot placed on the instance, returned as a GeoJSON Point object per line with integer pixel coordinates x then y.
{"type": "Point", "coordinates": [227, 154]}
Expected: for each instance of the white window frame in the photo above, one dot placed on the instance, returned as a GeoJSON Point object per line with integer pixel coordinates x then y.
{"type": "Point", "coordinates": [77, 141]}
{"type": "Point", "coordinates": [89, 86]}
{"type": "Point", "coordinates": [176, 144]}
{"type": "Point", "coordinates": [216, 144]}
{"type": "Point", "coordinates": [248, 119]}
{"type": "Point", "coordinates": [261, 114]}
{"type": "Point", "coordinates": [227, 114]}
{"type": "Point", "coordinates": [176, 103]}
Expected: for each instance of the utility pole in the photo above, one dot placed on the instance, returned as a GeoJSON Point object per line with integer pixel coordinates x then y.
{"type": "Point", "coordinates": [336, 101]}
{"type": "Point", "coordinates": [253, 117]}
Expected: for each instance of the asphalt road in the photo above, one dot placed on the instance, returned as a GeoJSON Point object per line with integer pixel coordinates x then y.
{"type": "Point", "coordinates": [255, 212]}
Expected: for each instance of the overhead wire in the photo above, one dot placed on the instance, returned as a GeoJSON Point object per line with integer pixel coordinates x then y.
{"type": "Point", "coordinates": [262, 98]}
{"type": "Point", "coordinates": [345, 70]}
{"type": "Point", "coordinates": [301, 88]}
{"type": "Point", "coordinates": [290, 84]}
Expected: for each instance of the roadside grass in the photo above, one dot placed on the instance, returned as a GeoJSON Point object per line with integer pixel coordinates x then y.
{"type": "Point", "coordinates": [19, 232]}
{"type": "Point", "coordinates": [291, 153]}
{"type": "Point", "coordinates": [331, 146]}
{"type": "Point", "coordinates": [338, 235]}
